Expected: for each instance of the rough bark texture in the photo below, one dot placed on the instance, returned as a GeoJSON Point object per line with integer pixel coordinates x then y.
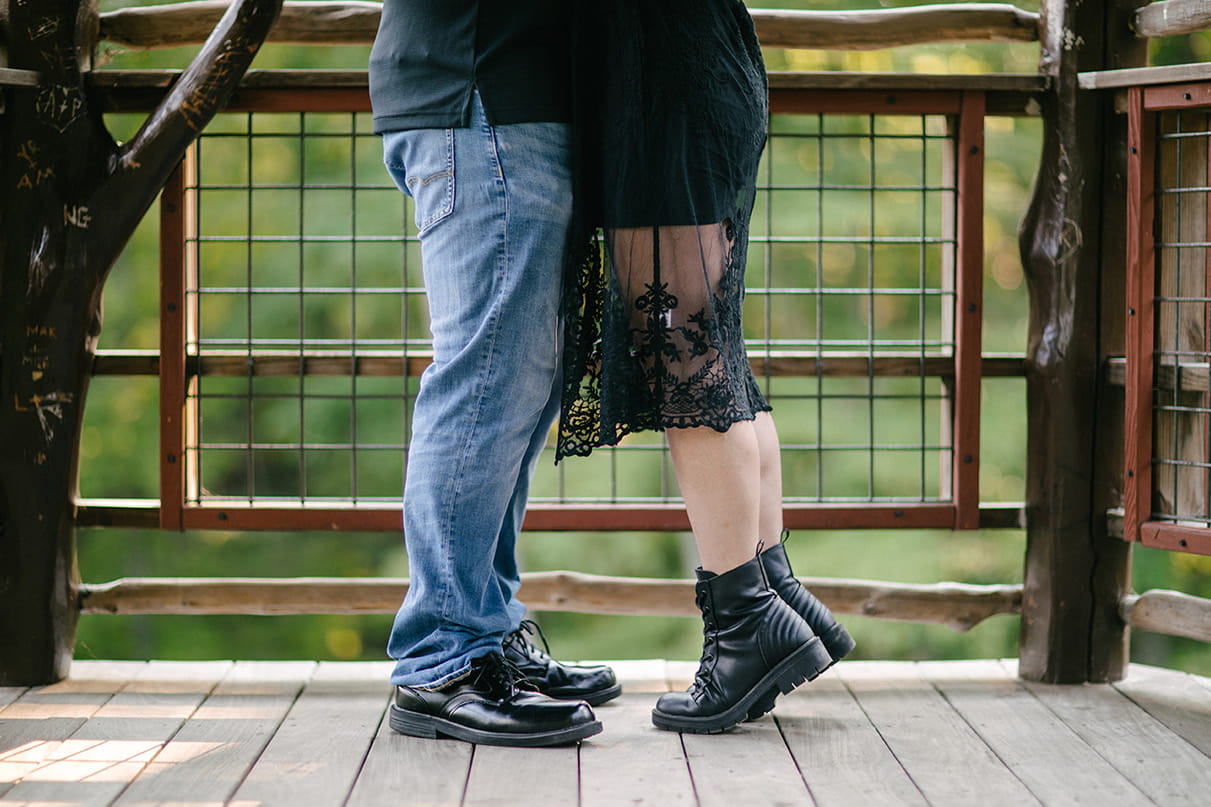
{"type": "Point", "coordinates": [1075, 575]}
{"type": "Point", "coordinates": [356, 22]}
{"type": "Point", "coordinates": [69, 200]}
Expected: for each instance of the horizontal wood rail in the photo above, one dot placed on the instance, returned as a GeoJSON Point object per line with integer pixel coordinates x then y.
{"type": "Point", "coordinates": [894, 27]}
{"type": "Point", "coordinates": [1006, 94]}
{"type": "Point", "coordinates": [355, 23]}
{"type": "Point", "coordinates": [1169, 612]}
{"type": "Point", "coordinates": [956, 605]}
{"type": "Point", "coordinates": [579, 516]}
{"type": "Point", "coordinates": [1192, 377]}
{"type": "Point", "coordinates": [1170, 535]}
{"type": "Point", "coordinates": [1172, 18]}
{"type": "Point", "coordinates": [385, 364]}
{"type": "Point", "coordinates": [1144, 76]}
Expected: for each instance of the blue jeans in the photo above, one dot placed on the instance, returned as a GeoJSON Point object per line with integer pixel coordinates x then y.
{"type": "Point", "coordinates": [492, 212]}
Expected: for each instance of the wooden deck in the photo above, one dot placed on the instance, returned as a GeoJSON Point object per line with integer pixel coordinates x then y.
{"type": "Point", "coordinates": [866, 733]}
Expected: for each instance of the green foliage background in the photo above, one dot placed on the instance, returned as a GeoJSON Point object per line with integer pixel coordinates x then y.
{"type": "Point", "coordinates": [119, 455]}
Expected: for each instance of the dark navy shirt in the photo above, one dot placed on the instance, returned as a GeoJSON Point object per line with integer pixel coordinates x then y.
{"type": "Point", "coordinates": [430, 54]}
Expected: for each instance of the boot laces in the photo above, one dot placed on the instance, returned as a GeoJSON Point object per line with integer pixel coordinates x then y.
{"type": "Point", "coordinates": [709, 639]}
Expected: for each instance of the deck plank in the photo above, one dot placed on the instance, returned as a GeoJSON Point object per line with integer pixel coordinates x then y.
{"type": "Point", "coordinates": [840, 753]}
{"type": "Point", "coordinates": [207, 759]}
{"type": "Point", "coordinates": [535, 777]}
{"type": "Point", "coordinates": [400, 769]}
{"type": "Point", "coordinates": [1180, 701]}
{"type": "Point", "coordinates": [640, 675]}
{"type": "Point", "coordinates": [317, 753]}
{"type": "Point", "coordinates": [1159, 762]}
{"type": "Point", "coordinates": [929, 738]}
{"type": "Point", "coordinates": [871, 733]}
{"type": "Point", "coordinates": [36, 725]}
{"type": "Point", "coordinates": [631, 761]}
{"type": "Point", "coordinates": [749, 764]}
{"type": "Point", "coordinates": [679, 675]}
{"type": "Point", "coordinates": [1050, 759]}
{"type": "Point", "coordinates": [10, 694]}
{"type": "Point", "coordinates": [107, 752]}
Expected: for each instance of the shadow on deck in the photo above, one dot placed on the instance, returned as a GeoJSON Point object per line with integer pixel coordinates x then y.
{"type": "Point", "coordinates": [301, 733]}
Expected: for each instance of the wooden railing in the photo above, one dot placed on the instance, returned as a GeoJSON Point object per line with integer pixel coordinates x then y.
{"type": "Point", "coordinates": [1163, 367]}
{"type": "Point", "coordinates": [331, 23]}
{"type": "Point", "coordinates": [955, 605]}
{"type": "Point", "coordinates": [357, 22]}
{"type": "Point", "coordinates": [1076, 596]}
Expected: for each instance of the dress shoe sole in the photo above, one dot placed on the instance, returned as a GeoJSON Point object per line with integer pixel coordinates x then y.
{"type": "Point", "coordinates": [592, 698]}
{"type": "Point", "coordinates": [418, 724]}
{"type": "Point", "coordinates": [802, 665]}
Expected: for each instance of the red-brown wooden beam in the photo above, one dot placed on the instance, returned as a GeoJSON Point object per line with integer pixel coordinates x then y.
{"type": "Point", "coordinates": [542, 516]}
{"type": "Point", "coordinates": [864, 102]}
{"type": "Point", "coordinates": [566, 517]}
{"type": "Point", "coordinates": [1174, 96]}
{"type": "Point", "coordinates": [1175, 537]}
{"type": "Point", "coordinates": [969, 311]}
{"type": "Point", "coordinates": [176, 222]}
{"type": "Point", "coordinates": [1141, 285]}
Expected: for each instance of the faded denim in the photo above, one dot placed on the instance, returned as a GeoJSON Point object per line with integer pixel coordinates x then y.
{"type": "Point", "coordinates": [493, 208]}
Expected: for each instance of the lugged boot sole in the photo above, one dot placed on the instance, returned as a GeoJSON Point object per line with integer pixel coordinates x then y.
{"type": "Point", "coordinates": [837, 642]}
{"type": "Point", "coordinates": [800, 666]}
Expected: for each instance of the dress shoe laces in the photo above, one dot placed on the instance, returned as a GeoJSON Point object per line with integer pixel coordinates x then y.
{"type": "Point", "coordinates": [499, 677]}
{"type": "Point", "coordinates": [519, 641]}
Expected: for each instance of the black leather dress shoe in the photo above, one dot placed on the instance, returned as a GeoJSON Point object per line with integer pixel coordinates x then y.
{"type": "Point", "coordinates": [594, 685]}
{"type": "Point", "coordinates": [492, 705]}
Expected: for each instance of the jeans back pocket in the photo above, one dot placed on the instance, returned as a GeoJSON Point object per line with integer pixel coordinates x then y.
{"type": "Point", "coordinates": [421, 161]}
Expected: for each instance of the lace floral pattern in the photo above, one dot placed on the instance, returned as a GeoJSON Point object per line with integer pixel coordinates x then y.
{"type": "Point", "coordinates": [671, 124]}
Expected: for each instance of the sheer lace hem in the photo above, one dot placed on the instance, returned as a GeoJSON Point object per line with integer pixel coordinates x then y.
{"type": "Point", "coordinates": [648, 350]}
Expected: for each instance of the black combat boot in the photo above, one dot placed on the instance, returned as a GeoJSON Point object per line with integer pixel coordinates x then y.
{"type": "Point", "coordinates": [836, 638]}
{"type": "Point", "coordinates": [777, 566]}
{"type": "Point", "coordinates": [754, 645]}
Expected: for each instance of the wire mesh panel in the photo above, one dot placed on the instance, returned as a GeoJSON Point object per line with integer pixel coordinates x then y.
{"type": "Point", "coordinates": [1169, 311]}
{"type": "Point", "coordinates": [857, 261]}
{"type": "Point", "coordinates": [1180, 407]}
{"type": "Point", "coordinates": [304, 304]}
{"type": "Point", "coordinates": [303, 323]}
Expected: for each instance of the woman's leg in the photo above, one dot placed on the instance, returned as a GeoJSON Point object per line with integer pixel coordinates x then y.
{"type": "Point", "coordinates": [678, 283]}
{"type": "Point", "coordinates": [770, 523]}
{"type": "Point", "coordinates": [720, 479]}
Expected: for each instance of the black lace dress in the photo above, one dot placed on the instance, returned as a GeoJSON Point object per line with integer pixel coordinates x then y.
{"type": "Point", "coordinates": [670, 123]}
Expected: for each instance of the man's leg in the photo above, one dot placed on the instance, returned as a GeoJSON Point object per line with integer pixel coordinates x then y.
{"type": "Point", "coordinates": [492, 210]}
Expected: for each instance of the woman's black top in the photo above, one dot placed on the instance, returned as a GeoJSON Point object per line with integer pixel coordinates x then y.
{"type": "Point", "coordinates": [670, 116]}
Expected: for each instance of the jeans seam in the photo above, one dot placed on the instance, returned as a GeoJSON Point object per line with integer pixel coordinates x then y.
{"type": "Point", "coordinates": [490, 350]}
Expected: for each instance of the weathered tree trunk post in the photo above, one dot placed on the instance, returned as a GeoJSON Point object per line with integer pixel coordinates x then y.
{"type": "Point", "coordinates": [69, 200]}
{"type": "Point", "coordinates": [1075, 575]}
